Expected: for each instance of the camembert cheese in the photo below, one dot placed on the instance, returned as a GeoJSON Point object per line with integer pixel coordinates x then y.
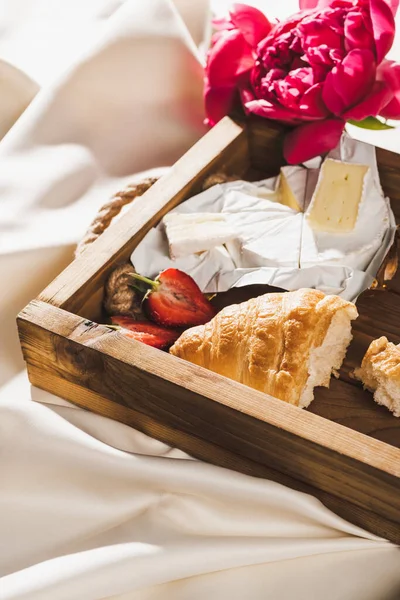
{"type": "Point", "coordinates": [292, 187]}
{"type": "Point", "coordinates": [335, 203]}
{"type": "Point", "coordinates": [322, 226]}
{"type": "Point", "coordinates": [190, 233]}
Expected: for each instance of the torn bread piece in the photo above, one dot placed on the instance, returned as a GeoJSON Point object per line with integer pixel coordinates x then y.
{"type": "Point", "coordinates": [190, 233]}
{"type": "Point", "coordinates": [281, 344]}
{"type": "Point", "coordinates": [380, 373]}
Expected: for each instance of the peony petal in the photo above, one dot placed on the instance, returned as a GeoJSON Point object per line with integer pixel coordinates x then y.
{"type": "Point", "coordinates": [312, 139]}
{"type": "Point", "coordinates": [394, 5]}
{"type": "Point", "coordinates": [280, 28]}
{"type": "Point", "coordinates": [356, 33]}
{"type": "Point", "coordinates": [389, 73]}
{"type": "Point", "coordinates": [277, 112]}
{"type": "Point", "coordinates": [218, 102]}
{"type": "Point", "coordinates": [312, 103]}
{"type": "Point", "coordinates": [263, 108]}
{"type": "Point", "coordinates": [222, 23]}
{"type": "Point", "coordinates": [372, 104]}
{"type": "Point", "coordinates": [350, 81]}
{"type": "Point", "coordinates": [315, 31]}
{"type": "Point", "coordinates": [391, 110]}
{"type": "Point", "coordinates": [306, 4]}
{"type": "Point", "coordinates": [383, 26]}
{"type": "Point", "coordinates": [251, 22]}
{"type": "Point", "coordinates": [228, 58]}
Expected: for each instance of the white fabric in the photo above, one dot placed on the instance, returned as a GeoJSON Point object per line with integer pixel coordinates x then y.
{"type": "Point", "coordinates": [89, 508]}
{"type": "Point", "coordinates": [17, 91]}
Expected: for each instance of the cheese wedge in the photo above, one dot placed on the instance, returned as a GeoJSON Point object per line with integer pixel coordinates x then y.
{"type": "Point", "coordinates": [292, 187]}
{"type": "Point", "coordinates": [277, 243]}
{"type": "Point", "coordinates": [190, 233]}
{"type": "Point", "coordinates": [340, 190]}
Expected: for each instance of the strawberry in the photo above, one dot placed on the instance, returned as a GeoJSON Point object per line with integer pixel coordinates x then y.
{"type": "Point", "coordinates": [175, 300]}
{"type": "Point", "coordinates": [147, 333]}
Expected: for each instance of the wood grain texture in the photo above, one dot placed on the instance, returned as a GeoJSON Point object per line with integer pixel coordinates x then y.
{"type": "Point", "coordinates": [207, 451]}
{"type": "Point", "coordinates": [379, 314]}
{"type": "Point", "coordinates": [360, 470]}
{"type": "Point", "coordinates": [265, 146]}
{"type": "Point", "coordinates": [353, 407]}
{"type": "Point", "coordinates": [389, 172]}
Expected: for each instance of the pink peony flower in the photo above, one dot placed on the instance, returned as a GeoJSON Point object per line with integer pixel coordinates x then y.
{"type": "Point", "coordinates": [316, 70]}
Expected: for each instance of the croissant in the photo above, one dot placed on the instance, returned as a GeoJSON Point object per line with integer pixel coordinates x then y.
{"type": "Point", "coordinates": [380, 373]}
{"type": "Point", "coordinates": [282, 344]}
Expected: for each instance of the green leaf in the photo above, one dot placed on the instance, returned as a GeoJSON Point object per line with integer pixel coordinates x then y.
{"type": "Point", "coordinates": [371, 123]}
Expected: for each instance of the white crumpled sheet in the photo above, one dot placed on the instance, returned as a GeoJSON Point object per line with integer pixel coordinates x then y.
{"type": "Point", "coordinates": [89, 508]}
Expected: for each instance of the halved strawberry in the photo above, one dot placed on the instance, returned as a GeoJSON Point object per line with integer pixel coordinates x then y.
{"type": "Point", "coordinates": [147, 333]}
{"type": "Point", "coordinates": [176, 300]}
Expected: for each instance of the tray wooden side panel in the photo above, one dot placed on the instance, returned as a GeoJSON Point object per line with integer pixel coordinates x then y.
{"type": "Point", "coordinates": [389, 173]}
{"type": "Point", "coordinates": [379, 314]}
{"type": "Point", "coordinates": [179, 396]}
{"type": "Point", "coordinates": [222, 149]}
{"type": "Point", "coordinates": [265, 145]}
{"type": "Point", "coordinates": [207, 451]}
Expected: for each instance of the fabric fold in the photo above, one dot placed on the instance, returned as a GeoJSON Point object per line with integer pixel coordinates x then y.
{"type": "Point", "coordinates": [89, 508]}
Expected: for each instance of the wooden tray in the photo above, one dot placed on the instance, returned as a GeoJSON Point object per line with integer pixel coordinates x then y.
{"type": "Point", "coordinates": [345, 450]}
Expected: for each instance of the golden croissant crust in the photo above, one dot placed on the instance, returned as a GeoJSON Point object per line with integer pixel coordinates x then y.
{"type": "Point", "coordinates": [281, 344]}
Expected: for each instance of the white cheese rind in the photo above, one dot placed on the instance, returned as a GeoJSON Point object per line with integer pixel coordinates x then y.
{"type": "Point", "coordinates": [292, 187]}
{"type": "Point", "coordinates": [277, 245]}
{"type": "Point", "coordinates": [196, 232]}
{"type": "Point", "coordinates": [268, 232]}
